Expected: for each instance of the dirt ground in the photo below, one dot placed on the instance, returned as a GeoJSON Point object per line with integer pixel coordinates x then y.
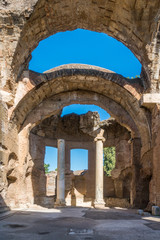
{"type": "Point", "coordinates": [78, 224]}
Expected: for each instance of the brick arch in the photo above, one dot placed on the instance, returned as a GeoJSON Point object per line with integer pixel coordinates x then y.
{"type": "Point", "coordinates": [114, 17]}
{"type": "Point", "coordinates": [63, 86]}
{"type": "Point", "coordinates": [56, 103]}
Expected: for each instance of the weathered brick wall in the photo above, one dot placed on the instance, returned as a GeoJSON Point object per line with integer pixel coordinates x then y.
{"type": "Point", "coordinates": [155, 182]}
{"type": "Point", "coordinates": [24, 23]}
{"type": "Point", "coordinates": [77, 132]}
{"type": "Point", "coordinates": [120, 94]}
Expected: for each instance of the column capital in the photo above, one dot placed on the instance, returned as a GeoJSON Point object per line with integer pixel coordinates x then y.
{"type": "Point", "coordinates": [99, 198]}
{"type": "Point", "coordinates": [99, 138]}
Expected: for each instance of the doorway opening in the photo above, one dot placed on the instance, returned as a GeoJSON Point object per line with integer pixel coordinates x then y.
{"type": "Point", "coordinates": [50, 165]}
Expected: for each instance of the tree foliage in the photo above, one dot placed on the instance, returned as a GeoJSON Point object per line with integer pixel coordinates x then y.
{"type": "Point", "coordinates": [109, 156]}
{"type": "Point", "coordinates": [46, 167]}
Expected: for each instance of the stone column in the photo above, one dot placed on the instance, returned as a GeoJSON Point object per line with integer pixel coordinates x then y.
{"type": "Point", "coordinates": [91, 171]}
{"type": "Point", "coordinates": [99, 201]}
{"type": "Point", "coordinates": [136, 194]}
{"type": "Point", "coordinates": [61, 174]}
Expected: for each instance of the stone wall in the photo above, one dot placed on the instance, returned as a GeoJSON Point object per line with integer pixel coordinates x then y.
{"type": "Point", "coordinates": [26, 98]}
{"type": "Point", "coordinates": [51, 183]}
{"type": "Point", "coordinates": [79, 132]}
{"type": "Point", "coordinates": [77, 185]}
{"type": "Point", "coordinates": [28, 22]}
{"type": "Point", "coordinates": [155, 182]}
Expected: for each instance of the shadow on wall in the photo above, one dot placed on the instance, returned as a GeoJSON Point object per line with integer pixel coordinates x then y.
{"type": "Point", "coordinates": [76, 185]}
{"type": "Point", "coordinates": [3, 205]}
{"type": "Point", "coordinates": [38, 177]}
{"type": "Point", "coordinates": [76, 191]}
{"type": "Point", "coordinates": [9, 186]}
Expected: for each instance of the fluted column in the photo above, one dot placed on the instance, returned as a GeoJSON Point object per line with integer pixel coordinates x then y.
{"type": "Point", "coordinates": [99, 200]}
{"type": "Point", "coordinates": [60, 201]}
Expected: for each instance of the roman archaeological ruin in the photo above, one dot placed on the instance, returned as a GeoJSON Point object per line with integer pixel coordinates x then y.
{"type": "Point", "coordinates": [31, 104]}
{"type": "Point", "coordinates": [81, 187]}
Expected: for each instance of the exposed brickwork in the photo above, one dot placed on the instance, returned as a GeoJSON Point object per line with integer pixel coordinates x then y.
{"type": "Point", "coordinates": [85, 78]}
{"type": "Point", "coordinates": [78, 131]}
{"type": "Point", "coordinates": [26, 97]}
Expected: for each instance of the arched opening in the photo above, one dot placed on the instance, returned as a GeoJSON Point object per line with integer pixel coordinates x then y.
{"type": "Point", "coordinates": [83, 109]}
{"type": "Point", "coordinates": [77, 84]}
{"type": "Point", "coordinates": [69, 85]}
{"type": "Point", "coordinates": [83, 84]}
{"type": "Point", "coordinates": [50, 165]}
{"type": "Point", "coordinates": [81, 131]}
{"type": "Point", "coordinates": [84, 47]}
{"type": "Point", "coordinates": [82, 15]}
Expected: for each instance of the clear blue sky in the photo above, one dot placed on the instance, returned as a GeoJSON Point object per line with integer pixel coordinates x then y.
{"type": "Point", "coordinates": [81, 109]}
{"type": "Point", "coordinates": [78, 157]}
{"type": "Point", "coordinates": [86, 47]}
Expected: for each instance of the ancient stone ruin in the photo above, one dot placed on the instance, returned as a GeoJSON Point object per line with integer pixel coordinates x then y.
{"type": "Point", "coordinates": [31, 104]}
{"type": "Point", "coordinates": [84, 131]}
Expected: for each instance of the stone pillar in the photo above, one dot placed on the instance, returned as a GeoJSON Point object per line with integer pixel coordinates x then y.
{"type": "Point", "coordinates": [155, 182]}
{"type": "Point", "coordinates": [91, 171]}
{"type": "Point", "coordinates": [99, 201]}
{"type": "Point", "coordinates": [61, 174]}
{"type": "Point", "coordinates": [136, 194]}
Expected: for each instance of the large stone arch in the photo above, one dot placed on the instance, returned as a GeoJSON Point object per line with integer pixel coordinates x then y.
{"type": "Point", "coordinates": [40, 96]}
{"type": "Point", "coordinates": [99, 86]}
{"type": "Point", "coordinates": [121, 20]}
{"type": "Point", "coordinates": [135, 23]}
{"type": "Point", "coordinates": [56, 103]}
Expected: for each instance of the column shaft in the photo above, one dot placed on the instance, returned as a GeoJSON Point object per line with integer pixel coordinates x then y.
{"type": "Point", "coordinates": [99, 201]}
{"type": "Point", "coordinates": [137, 192]}
{"type": "Point", "coordinates": [61, 173]}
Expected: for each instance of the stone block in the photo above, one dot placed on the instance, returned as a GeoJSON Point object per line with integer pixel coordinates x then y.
{"type": "Point", "coordinates": [155, 210]}
{"type": "Point", "coordinates": [140, 212]}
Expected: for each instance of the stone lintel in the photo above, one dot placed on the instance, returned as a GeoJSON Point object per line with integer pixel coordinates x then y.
{"type": "Point", "coordinates": [149, 100]}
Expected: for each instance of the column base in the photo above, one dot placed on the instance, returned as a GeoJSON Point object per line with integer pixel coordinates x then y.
{"type": "Point", "coordinates": [60, 203]}
{"type": "Point", "coordinates": [99, 204]}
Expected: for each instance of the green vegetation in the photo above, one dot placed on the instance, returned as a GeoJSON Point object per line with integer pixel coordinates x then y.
{"type": "Point", "coordinates": [109, 156]}
{"type": "Point", "coordinates": [46, 166]}
{"type": "Point", "coordinates": [137, 76]}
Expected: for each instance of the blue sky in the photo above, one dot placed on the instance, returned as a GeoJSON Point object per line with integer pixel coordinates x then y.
{"type": "Point", "coordinates": [86, 47]}
{"type": "Point", "coordinates": [81, 109]}
{"type": "Point", "coordinates": [79, 157]}
{"type": "Point", "coordinates": [83, 159]}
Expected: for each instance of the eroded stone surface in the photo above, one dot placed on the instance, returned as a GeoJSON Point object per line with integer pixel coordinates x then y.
{"type": "Point", "coordinates": [26, 97]}
{"type": "Point", "coordinates": [80, 131]}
